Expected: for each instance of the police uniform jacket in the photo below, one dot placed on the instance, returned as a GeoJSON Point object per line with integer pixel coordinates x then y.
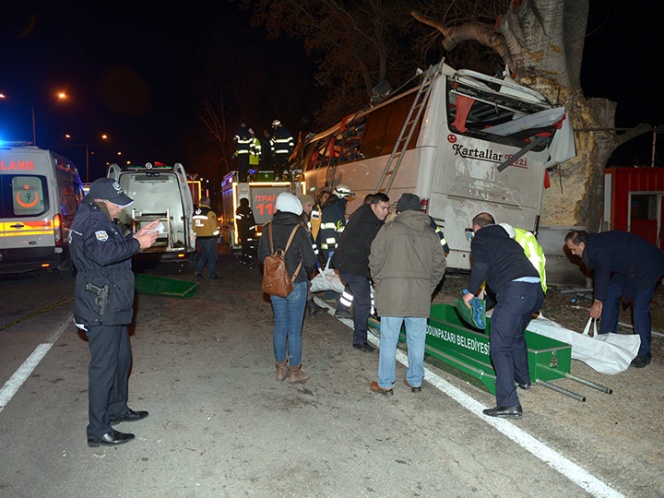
{"type": "Point", "coordinates": [407, 262]}
{"type": "Point", "coordinates": [299, 250]}
{"type": "Point", "coordinates": [622, 257]}
{"type": "Point", "coordinates": [352, 254]}
{"type": "Point", "coordinates": [498, 259]}
{"type": "Point", "coordinates": [102, 257]}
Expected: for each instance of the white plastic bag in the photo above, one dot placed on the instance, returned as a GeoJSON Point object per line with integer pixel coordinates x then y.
{"type": "Point", "coordinates": [607, 353]}
{"type": "Point", "coordinates": [327, 279]}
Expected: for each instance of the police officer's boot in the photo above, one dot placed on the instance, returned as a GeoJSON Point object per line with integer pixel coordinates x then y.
{"type": "Point", "coordinates": [313, 308]}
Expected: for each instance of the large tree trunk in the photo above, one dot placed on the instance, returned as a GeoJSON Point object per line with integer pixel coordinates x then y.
{"type": "Point", "coordinates": [541, 43]}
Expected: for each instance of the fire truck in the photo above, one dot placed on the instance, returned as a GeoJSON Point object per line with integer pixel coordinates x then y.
{"type": "Point", "coordinates": [262, 194]}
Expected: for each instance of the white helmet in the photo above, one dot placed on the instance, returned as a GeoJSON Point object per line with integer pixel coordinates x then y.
{"type": "Point", "coordinates": [276, 123]}
{"type": "Point", "coordinates": [342, 191]}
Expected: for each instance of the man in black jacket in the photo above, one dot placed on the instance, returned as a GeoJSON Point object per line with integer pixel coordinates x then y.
{"type": "Point", "coordinates": [626, 267]}
{"type": "Point", "coordinates": [103, 304]}
{"type": "Point", "coordinates": [500, 261]}
{"type": "Point", "coordinates": [351, 258]}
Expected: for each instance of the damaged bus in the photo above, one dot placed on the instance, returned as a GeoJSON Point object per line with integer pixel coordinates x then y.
{"type": "Point", "coordinates": [464, 142]}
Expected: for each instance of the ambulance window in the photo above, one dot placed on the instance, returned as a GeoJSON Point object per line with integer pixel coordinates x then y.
{"type": "Point", "coordinates": [28, 196]}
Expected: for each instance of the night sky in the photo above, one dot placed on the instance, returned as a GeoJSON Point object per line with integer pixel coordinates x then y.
{"type": "Point", "coordinates": [133, 71]}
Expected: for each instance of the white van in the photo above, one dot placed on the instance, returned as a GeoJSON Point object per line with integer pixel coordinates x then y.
{"type": "Point", "coordinates": [160, 192]}
{"type": "Point", "coordinates": [39, 194]}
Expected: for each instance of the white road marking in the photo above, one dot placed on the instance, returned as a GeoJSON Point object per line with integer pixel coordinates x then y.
{"type": "Point", "coordinates": [552, 458]}
{"type": "Point", "coordinates": [12, 386]}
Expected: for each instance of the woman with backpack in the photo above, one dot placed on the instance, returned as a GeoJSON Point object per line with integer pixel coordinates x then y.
{"type": "Point", "coordinates": [300, 261]}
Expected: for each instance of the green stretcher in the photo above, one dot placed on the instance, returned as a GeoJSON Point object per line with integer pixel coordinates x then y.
{"type": "Point", "coordinates": [162, 286]}
{"type": "Point", "coordinates": [450, 340]}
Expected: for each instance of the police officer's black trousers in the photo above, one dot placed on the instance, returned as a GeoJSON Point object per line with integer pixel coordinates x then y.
{"type": "Point", "coordinates": [110, 360]}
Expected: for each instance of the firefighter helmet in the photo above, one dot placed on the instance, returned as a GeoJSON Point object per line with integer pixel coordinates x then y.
{"type": "Point", "coordinates": [276, 123]}
{"type": "Point", "coordinates": [342, 191]}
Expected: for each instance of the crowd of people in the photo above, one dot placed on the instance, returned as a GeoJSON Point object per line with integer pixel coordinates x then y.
{"type": "Point", "coordinates": [390, 261]}
{"type": "Point", "coordinates": [396, 262]}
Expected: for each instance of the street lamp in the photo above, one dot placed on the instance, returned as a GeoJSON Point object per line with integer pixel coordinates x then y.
{"type": "Point", "coordinates": [59, 95]}
{"type": "Point", "coordinates": [103, 136]}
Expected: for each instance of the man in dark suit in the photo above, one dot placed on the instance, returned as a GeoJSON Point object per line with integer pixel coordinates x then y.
{"type": "Point", "coordinates": [500, 261]}
{"type": "Point", "coordinates": [626, 267]}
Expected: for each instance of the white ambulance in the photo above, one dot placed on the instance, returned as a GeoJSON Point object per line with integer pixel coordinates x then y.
{"type": "Point", "coordinates": [39, 194]}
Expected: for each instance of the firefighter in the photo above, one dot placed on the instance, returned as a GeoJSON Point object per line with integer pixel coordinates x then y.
{"type": "Point", "coordinates": [282, 145]}
{"type": "Point", "coordinates": [255, 151]}
{"type": "Point", "coordinates": [242, 141]}
{"type": "Point", "coordinates": [307, 208]}
{"type": "Point", "coordinates": [317, 211]}
{"type": "Point", "coordinates": [333, 220]}
{"type": "Point", "coordinates": [207, 231]}
{"type": "Point", "coordinates": [246, 227]}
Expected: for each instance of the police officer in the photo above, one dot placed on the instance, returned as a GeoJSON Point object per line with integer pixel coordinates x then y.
{"type": "Point", "coordinates": [103, 304]}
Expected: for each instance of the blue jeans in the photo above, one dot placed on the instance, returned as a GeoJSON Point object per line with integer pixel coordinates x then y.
{"type": "Point", "coordinates": [516, 302]}
{"type": "Point", "coordinates": [288, 316]}
{"type": "Point", "coordinates": [208, 255]}
{"type": "Point", "coordinates": [416, 334]}
{"type": "Point", "coordinates": [361, 290]}
{"type": "Point", "coordinates": [640, 314]}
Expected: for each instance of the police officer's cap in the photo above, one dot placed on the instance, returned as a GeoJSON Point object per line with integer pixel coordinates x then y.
{"type": "Point", "coordinates": [109, 189]}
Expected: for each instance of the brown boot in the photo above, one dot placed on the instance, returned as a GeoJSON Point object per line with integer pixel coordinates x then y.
{"type": "Point", "coordinates": [297, 375]}
{"type": "Point", "coordinates": [282, 370]}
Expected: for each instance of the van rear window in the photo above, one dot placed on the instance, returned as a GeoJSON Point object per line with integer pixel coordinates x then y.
{"type": "Point", "coordinates": [23, 195]}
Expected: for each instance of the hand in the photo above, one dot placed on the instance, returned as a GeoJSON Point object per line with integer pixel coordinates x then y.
{"type": "Point", "coordinates": [596, 309]}
{"type": "Point", "coordinates": [467, 297]}
{"type": "Point", "coordinates": [147, 235]}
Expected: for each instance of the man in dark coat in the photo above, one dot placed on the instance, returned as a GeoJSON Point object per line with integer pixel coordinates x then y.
{"type": "Point", "coordinates": [407, 262]}
{"type": "Point", "coordinates": [500, 261]}
{"type": "Point", "coordinates": [103, 304]}
{"type": "Point", "coordinates": [626, 267]}
{"type": "Point", "coordinates": [351, 258]}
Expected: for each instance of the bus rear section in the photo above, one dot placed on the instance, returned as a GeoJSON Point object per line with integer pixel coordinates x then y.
{"type": "Point", "coordinates": [478, 144]}
{"type": "Point", "coordinates": [39, 194]}
{"type": "Point", "coordinates": [160, 193]}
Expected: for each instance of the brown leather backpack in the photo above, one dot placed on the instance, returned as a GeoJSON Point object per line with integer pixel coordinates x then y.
{"type": "Point", "coordinates": [276, 280]}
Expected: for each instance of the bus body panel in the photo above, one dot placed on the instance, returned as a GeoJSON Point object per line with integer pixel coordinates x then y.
{"type": "Point", "coordinates": [452, 166]}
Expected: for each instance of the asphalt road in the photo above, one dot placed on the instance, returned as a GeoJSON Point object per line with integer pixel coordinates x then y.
{"type": "Point", "coordinates": [221, 426]}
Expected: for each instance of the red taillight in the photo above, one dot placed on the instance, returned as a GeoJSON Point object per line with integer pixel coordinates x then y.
{"type": "Point", "coordinates": [57, 230]}
{"type": "Point", "coordinates": [424, 205]}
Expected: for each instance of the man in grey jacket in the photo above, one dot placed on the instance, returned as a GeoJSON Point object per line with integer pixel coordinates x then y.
{"type": "Point", "coordinates": [407, 261]}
